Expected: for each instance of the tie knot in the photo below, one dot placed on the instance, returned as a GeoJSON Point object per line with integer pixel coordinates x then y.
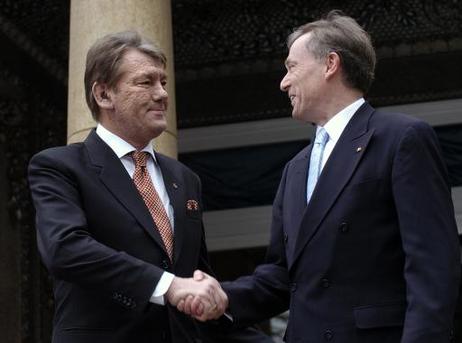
{"type": "Point", "coordinates": [321, 137]}
{"type": "Point", "coordinates": [139, 157]}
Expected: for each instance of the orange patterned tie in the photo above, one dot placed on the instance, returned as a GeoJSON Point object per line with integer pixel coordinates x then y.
{"type": "Point", "coordinates": [144, 185]}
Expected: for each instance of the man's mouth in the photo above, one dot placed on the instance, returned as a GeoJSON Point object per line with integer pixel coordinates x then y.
{"type": "Point", "coordinates": [292, 99]}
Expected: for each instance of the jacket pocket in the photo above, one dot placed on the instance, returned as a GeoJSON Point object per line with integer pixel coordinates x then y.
{"type": "Point", "coordinates": [84, 334]}
{"type": "Point", "coordinates": [87, 330]}
{"type": "Point", "coordinates": [383, 315]}
{"type": "Point", "coordinates": [195, 215]}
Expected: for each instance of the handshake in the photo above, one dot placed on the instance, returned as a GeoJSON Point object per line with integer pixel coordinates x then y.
{"type": "Point", "coordinates": [200, 296]}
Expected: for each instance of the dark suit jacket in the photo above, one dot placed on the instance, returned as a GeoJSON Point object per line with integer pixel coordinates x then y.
{"type": "Point", "coordinates": [374, 257]}
{"type": "Point", "coordinates": [100, 244]}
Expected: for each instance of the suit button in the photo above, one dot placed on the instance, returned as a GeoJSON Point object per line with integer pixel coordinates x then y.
{"type": "Point", "coordinates": [165, 265]}
{"type": "Point", "coordinates": [328, 335]}
{"type": "Point", "coordinates": [286, 238]}
{"type": "Point", "coordinates": [344, 227]}
{"type": "Point", "coordinates": [325, 283]}
{"type": "Point", "coordinates": [293, 287]}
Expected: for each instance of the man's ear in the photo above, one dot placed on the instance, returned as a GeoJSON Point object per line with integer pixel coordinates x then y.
{"type": "Point", "coordinates": [332, 64]}
{"type": "Point", "coordinates": [102, 96]}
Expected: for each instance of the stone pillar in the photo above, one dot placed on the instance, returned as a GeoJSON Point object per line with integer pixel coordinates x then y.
{"type": "Point", "coordinates": [92, 19]}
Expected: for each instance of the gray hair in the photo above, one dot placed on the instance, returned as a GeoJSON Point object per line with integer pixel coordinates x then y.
{"type": "Point", "coordinates": [105, 56]}
{"type": "Point", "coordinates": [341, 34]}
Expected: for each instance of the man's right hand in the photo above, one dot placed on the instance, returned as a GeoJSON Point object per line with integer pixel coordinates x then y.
{"type": "Point", "coordinates": [201, 297]}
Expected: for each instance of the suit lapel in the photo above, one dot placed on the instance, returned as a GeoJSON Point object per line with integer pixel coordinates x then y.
{"type": "Point", "coordinates": [338, 170]}
{"type": "Point", "coordinates": [298, 184]}
{"type": "Point", "coordinates": [296, 190]}
{"type": "Point", "coordinates": [174, 188]}
{"type": "Point", "coordinates": [116, 179]}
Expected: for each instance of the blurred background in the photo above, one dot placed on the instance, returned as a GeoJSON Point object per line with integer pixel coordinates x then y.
{"type": "Point", "coordinates": [232, 126]}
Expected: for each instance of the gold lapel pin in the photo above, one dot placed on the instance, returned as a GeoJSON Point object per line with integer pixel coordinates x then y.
{"type": "Point", "coordinates": [358, 149]}
{"type": "Point", "coordinates": [175, 185]}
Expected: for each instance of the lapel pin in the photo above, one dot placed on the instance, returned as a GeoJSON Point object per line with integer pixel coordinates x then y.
{"type": "Point", "coordinates": [175, 185]}
{"type": "Point", "coordinates": [192, 205]}
{"type": "Point", "coordinates": [358, 149]}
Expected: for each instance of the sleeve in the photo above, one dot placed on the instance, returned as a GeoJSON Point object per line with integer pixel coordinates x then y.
{"type": "Point", "coordinates": [67, 247]}
{"type": "Point", "coordinates": [265, 293]}
{"type": "Point", "coordinates": [429, 236]}
{"type": "Point", "coordinates": [224, 329]}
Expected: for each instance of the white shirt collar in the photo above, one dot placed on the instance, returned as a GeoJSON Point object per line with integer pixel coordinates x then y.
{"type": "Point", "coordinates": [338, 122]}
{"type": "Point", "coordinates": [120, 147]}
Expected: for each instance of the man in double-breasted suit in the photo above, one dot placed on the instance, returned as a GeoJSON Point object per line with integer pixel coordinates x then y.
{"type": "Point", "coordinates": [119, 226]}
{"type": "Point", "coordinates": [364, 244]}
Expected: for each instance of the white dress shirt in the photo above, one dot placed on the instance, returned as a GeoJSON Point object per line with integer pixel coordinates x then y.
{"type": "Point", "coordinates": [335, 127]}
{"type": "Point", "coordinates": [122, 149]}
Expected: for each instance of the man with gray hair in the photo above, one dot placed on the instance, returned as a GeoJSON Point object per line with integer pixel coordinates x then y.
{"type": "Point", "coordinates": [364, 244]}
{"type": "Point", "coordinates": [119, 226]}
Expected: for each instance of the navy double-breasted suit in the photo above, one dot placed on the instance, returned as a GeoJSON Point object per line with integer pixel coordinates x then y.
{"type": "Point", "coordinates": [99, 242]}
{"type": "Point", "coordinates": [374, 257]}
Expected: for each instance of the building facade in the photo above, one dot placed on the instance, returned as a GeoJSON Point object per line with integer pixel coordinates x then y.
{"type": "Point", "coordinates": [232, 125]}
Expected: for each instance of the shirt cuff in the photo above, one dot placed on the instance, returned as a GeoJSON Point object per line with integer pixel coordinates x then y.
{"type": "Point", "coordinates": [161, 288]}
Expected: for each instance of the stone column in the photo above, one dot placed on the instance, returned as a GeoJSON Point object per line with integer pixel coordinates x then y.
{"type": "Point", "coordinates": [92, 19]}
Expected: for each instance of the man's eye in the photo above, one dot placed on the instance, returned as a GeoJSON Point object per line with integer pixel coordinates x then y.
{"type": "Point", "coordinates": [163, 83]}
{"type": "Point", "coordinates": [145, 82]}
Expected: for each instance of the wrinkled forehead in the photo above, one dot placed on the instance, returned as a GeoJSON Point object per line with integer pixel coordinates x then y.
{"type": "Point", "coordinates": [299, 48]}
{"type": "Point", "coordinates": [139, 62]}
{"type": "Point", "coordinates": [140, 58]}
{"type": "Point", "coordinates": [303, 41]}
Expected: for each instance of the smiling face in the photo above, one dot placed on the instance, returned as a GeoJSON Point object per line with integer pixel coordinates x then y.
{"type": "Point", "coordinates": [137, 104]}
{"type": "Point", "coordinates": [304, 81]}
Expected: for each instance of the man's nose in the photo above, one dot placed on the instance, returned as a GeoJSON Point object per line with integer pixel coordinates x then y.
{"type": "Point", "coordinates": [284, 85]}
{"type": "Point", "coordinates": [160, 93]}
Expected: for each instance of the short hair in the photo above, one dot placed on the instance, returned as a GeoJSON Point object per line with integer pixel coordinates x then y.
{"type": "Point", "coordinates": [339, 33]}
{"type": "Point", "coordinates": [105, 56]}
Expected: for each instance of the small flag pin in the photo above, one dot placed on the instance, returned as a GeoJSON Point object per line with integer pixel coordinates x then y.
{"type": "Point", "coordinates": [359, 149]}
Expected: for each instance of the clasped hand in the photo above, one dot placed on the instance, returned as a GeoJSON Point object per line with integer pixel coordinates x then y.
{"type": "Point", "coordinates": [200, 296]}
